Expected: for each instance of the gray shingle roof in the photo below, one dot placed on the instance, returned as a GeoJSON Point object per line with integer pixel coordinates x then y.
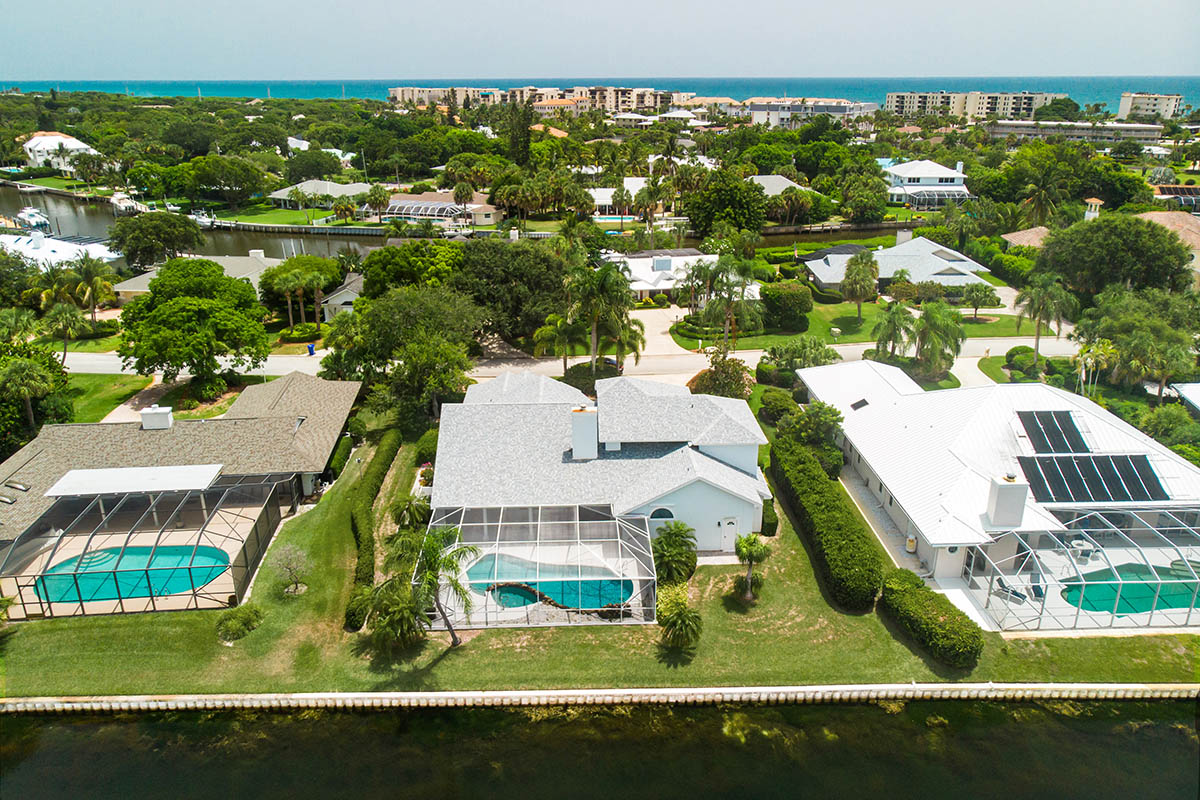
{"type": "Point", "coordinates": [524, 386]}
{"type": "Point", "coordinates": [638, 410]}
{"type": "Point", "coordinates": [261, 433]}
{"type": "Point", "coordinates": [925, 260]}
{"type": "Point", "coordinates": [250, 267]}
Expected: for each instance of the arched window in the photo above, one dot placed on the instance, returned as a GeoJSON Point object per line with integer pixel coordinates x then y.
{"type": "Point", "coordinates": [661, 513]}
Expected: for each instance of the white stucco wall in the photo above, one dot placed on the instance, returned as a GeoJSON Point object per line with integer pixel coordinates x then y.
{"type": "Point", "coordinates": [742, 456]}
{"type": "Point", "coordinates": [705, 507]}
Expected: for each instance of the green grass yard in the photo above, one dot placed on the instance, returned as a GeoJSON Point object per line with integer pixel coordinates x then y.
{"type": "Point", "coordinates": [181, 391]}
{"type": "Point", "coordinates": [267, 214]}
{"type": "Point", "coordinates": [96, 395]}
{"type": "Point", "coordinates": [990, 278]}
{"type": "Point", "coordinates": [104, 344]}
{"type": "Point", "coordinates": [993, 367]}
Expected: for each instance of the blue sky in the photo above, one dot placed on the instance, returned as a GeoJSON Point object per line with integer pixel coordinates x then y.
{"type": "Point", "coordinates": [318, 39]}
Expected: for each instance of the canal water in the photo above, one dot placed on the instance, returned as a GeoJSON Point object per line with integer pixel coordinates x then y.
{"type": "Point", "coordinates": [924, 749]}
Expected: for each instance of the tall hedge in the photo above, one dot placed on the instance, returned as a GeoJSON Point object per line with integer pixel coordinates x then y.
{"type": "Point", "coordinates": [426, 449]}
{"type": "Point", "coordinates": [770, 520]}
{"type": "Point", "coordinates": [341, 454]}
{"type": "Point", "coordinates": [787, 304]}
{"type": "Point", "coordinates": [931, 620]}
{"type": "Point", "coordinates": [847, 553]}
{"type": "Point", "coordinates": [362, 518]}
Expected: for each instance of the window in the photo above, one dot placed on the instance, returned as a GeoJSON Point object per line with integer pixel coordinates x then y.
{"type": "Point", "coordinates": [661, 513]}
{"type": "Point", "coordinates": [890, 501]}
{"type": "Point", "coordinates": [947, 180]}
{"type": "Point", "coordinates": [914, 180]}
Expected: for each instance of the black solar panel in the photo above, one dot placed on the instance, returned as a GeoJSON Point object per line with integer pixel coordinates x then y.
{"type": "Point", "coordinates": [1052, 432]}
{"type": "Point", "coordinates": [1086, 478]}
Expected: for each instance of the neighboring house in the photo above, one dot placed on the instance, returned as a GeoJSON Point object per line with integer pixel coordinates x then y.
{"type": "Point", "coordinates": [1029, 237]}
{"type": "Point", "coordinates": [53, 149]}
{"type": "Point", "coordinates": [1188, 197]}
{"type": "Point", "coordinates": [924, 260]}
{"type": "Point", "coordinates": [774, 185]}
{"type": "Point", "coordinates": [318, 189]}
{"type": "Point", "coordinates": [440, 206]}
{"type": "Point", "coordinates": [550, 130]}
{"type": "Point", "coordinates": [926, 184]}
{"type": "Point", "coordinates": [250, 266]}
{"type": "Point", "coordinates": [1190, 394]}
{"type": "Point", "coordinates": [162, 514]}
{"type": "Point", "coordinates": [632, 119]}
{"type": "Point", "coordinates": [296, 145]}
{"type": "Point", "coordinates": [1186, 227]}
{"type": "Point", "coordinates": [1030, 507]}
{"type": "Point", "coordinates": [654, 272]}
{"type": "Point", "coordinates": [602, 199]}
{"type": "Point", "coordinates": [645, 448]}
{"type": "Point", "coordinates": [342, 298]}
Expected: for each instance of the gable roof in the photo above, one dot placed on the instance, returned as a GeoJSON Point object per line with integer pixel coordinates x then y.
{"type": "Point", "coordinates": [288, 425]}
{"type": "Point", "coordinates": [640, 410]}
{"type": "Point", "coordinates": [1184, 224]}
{"type": "Point", "coordinates": [251, 267]}
{"type": "Point", "coordinates": [1030, 237]}
{"type": "Point", "coordinates": [352, 285]}
{"type": "Point", "coordinates": [524, 386]}
{"type": "Point", "coordinates": [774, 185]}
{"type": "Point", "coordinates": [924, 259]}
{"type": "Point", "coordinates": [318, 187]}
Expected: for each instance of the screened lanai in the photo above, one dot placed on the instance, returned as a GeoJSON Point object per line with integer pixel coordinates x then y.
{"type": "Point", "coordinates": [112, 553]}
{"type": "Point", "coordinates": [1128, 568]}
{"type": "Point", "coordinates": [423, 209]}
{"type": "Point", "coordinates": [552, 565]}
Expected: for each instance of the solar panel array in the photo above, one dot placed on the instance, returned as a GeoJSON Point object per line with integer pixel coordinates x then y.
{"type": "Point", "coordinates": [1089, 478]}
{"type": "Point", "coordinates": [1052, 432]}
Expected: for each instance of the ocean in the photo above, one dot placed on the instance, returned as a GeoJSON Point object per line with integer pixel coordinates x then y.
{"type": "Point", "coordinates": [1084, 90]}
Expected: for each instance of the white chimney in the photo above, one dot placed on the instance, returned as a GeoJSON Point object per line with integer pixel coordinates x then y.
{"type": "Point", "coordinates": [958, 167]}
{"type": "Point", "coordinates": [585, 438]}
{"type": "Point", "coordinates": [1006, 501]}
{"type": "Point", "coordinates": [157, 418]}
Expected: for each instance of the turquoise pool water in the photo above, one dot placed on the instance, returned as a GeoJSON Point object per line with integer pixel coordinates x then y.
{"type": "Point", "coordinates": [573, 587]}
{"type": "Point", "coordinates": [1137, 592]}
{"type": "Point", "coordinates": [140, 572]}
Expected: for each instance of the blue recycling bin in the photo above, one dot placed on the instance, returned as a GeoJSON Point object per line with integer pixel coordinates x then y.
{"type": "Point", "coordinates": [312, 349]}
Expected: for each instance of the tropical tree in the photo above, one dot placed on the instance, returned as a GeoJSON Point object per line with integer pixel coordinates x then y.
{"type": "Point", "coordinates": [1092, 359]}
{"type": "Point", "coordinates": [65, 320]}
{"type": "Point", "coordinates": [861, 282]}
{"type": "Point", "coordinates": [730, 279]}
{"type": "Point", "coordinates": [1044, 301]}
{"type": "Point", "coordinates": [54, 283]}
{"type": "Point", "coordinates": [439, 563]}
{"type": "Point", "coordinates": [343, 208]}
{"type": "Point", "coordinates": [751, 550]}
{"type": "Point", "coordinates": [302, 199]}
{"type": "Point", "coordinates": [94, 281]}
{"type": "Point", "coordinates": [378, 199]}
{"type": "Point", "coordinates": [559, 336]}
{"type": "Point", "coordinates": [938, 336]}
{"type": "Point", "coordinates": [802, 352]}
{"type": "Point", "coordinates": [979, 294]}
{"type": "Point", "coordinates": [598, 295]}
{"type": "Point", "coordinates": [17, 324]}
{"type": "Point", "coordinates": [1043, 194]}
{"type": "Point", "coordinates": [893, 329]}
{"type": "Point", "coordinates": [288, 284]}
{"type": "Point", "coordinates": [1144, 355]}
{"type": "Point", "coordinates": [622, 200]}
{"type": "Point", "coordinates": [410, 511]}
{"type": "Point", "coordinates": [628, 337]}
{"type": "Point", "coordinates": [393, 617]}
{"type": "Point", "coordinates": [464, 193]}
{"type": "Point", "coordinates": [26, 379]}
{"type": "Point", "coordinates": [674, 551]}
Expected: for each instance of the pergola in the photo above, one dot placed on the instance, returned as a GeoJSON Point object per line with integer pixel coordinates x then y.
{"type": "Point", "coordinates": [1112, 568]}
{"type": "Point", "coordinates": [123, 552]}
{"type": "Point", "coordinates": [552, 565]}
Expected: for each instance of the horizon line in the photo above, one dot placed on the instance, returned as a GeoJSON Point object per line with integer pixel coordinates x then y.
{"type": "Point", "coordinates": [582, 78]}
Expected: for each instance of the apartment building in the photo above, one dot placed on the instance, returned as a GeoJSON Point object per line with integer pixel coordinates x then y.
{"type": "Point", "coordinates": [1144, 104]}
{"type": "Point", "coordinates": [776, 113]}
{"type": "Point", "coordinates": [432, 95]}
{"type": "Point", "coordinates": [614, 99]}
{"type": "Point", "coordinates": [973, 105]}
{"type": "Point", "coordinates": [1075, 131]}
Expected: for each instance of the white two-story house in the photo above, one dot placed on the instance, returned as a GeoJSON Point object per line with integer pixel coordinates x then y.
{"type": "Point", "coordinates": [926, 184]}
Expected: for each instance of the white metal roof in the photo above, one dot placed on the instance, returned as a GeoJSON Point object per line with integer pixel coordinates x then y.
{"type": "Point", "coordinates": [1190, 392]}
{"type": "Point", "coordinates": [923, 168]}
{"type": "Point", "coordinates": [122, 480]}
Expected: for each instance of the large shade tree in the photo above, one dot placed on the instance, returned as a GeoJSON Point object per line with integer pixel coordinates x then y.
{"type": "Point", "coordinates": [149, 239]}
{"type": "Point", "coordinates": [1117, 249]}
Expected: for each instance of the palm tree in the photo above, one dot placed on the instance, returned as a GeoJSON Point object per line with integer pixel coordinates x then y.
{"type": "Point", "coordinates": [286, 284]}
{"type": "Point", "coordinates": [464, 193]}
{"type": "Point", "coordinates": [628, 336]}
{"type": "Point", "coordinates": [1091, 360]}
{"type": "Point", "coordinates": [17, 324]}
{"type": "Point", "coordinates": [314, 280]}
{"type": "Point", "coordinates": [599, 295]}
{"type": "Point", "coordinates": [410, 511]}
{"type": "Point", "coordinates": [558, 336]}
{"type": "Point", "coordinates": [1044, 301]}
{"type": "Point", "coordinates": [1144, 355]}
{"type": "Point", "coordinates": [727, 284]}
{"type": "Point", "coordinates": [893, 329]}
{"type": "Point", "coordinates": [67, 321]}
{"type": "Point", "coordinates": [621, 201]}
{"type": "Point", "coordinates": [440, 562]}
{"type": "Point", "coordinates": [54, 283]}
{"type": "Point", "coordinates": [302, 200]}
{"type": "Point", "coordinates": [861, 281]}
{"type": "Point", "coordinates": [343, 208]}
{"type": "Point", "coordinates": [750, 550]}
{"type": "Point", "coordinates": [26, 379]}
{"type": "Point", "coordinates": [95, 281]}
{"type": "Point", "coordinates": [1042, 195]}
{"type": "Point", "coordinates": [378, 199]}
{"type": "Point", "coordinates": [979, 294]}
{"type": "Point", "coordinates": [938, 335]}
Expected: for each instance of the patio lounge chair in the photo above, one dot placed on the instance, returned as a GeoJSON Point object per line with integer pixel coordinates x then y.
{"type": "Point", "coordinates": [1020, 597]}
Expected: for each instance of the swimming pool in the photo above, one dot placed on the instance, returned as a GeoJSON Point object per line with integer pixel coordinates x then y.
{"type": "Point", "coordinates": [140, 572]}
{"type": "Point", "coordinates": [575, 587]}
{"type": "Point", "coordinates": [1141, 583]}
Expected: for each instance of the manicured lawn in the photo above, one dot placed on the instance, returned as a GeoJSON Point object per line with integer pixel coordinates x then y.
{"type": "Point", "coordinates": [275, 327]}
{"type": "Point", "coordinates": [843, 316]}
{"type": "Point", "coordinates": [104, 344]}
{"type": "Point", "coordinates": [990, 278]}
{"type": "Point", "coordinates": [993, 367]}
{"type": "Point", "coordinates": [96, 395]}
{"type": "Point", "coordinates": [999, 325]}
{"type": "Point", "coordinates": [267, 214]}
{"type": "Point", "coordinates": [69, 184]}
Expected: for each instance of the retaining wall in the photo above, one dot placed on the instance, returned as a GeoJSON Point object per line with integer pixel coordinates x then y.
{"type": "Point", "coordinates": [768, 695]}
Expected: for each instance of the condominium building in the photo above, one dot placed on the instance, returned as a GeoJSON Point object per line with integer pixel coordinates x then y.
{"type": "Point", "coordinates": [1149, 105]}
{"type": "Point", "coordinates": [614, 99]}
{"type": "Point", "coordinates": [973, 105]}
{"type": "Point", "coordinates": [432, 95]}
{"type": "Point", "coordinates": [1075, 131]}
{"type": "Point", "coordinates": [776, 113]}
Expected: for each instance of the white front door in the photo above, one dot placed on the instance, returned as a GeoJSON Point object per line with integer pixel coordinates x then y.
{"type": "Point", "coordinates": [728, 533]}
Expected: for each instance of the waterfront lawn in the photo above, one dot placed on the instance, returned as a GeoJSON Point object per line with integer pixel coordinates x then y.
{"type": "Point", "coordinates": [792, 636]}
{"type": "Point", "coordinates": [95, 395]}
{"type": "Point", "coordinates": [267, 214]}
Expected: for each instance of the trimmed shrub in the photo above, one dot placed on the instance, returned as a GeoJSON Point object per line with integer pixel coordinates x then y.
{"type": "Point", "coordinates": [674, 552]}
{"type": "Point", "coordinates": [1057, 381]}
{"type": "Point", "coordinates": [788, 270]}
{"type": "Point", "coordinates": [933, 622]}
{"type": "Point", "coordinates": [357, 428]}
{"type": "Point", "coordinates": [770, 519]}
{"type": "Point", "coordinates": [101, 329]}
{"type": "Point", "coordinates": [662, 301]}
{"type": "Point", "coordinates": [765, 274]}
{"type": "Point", "coordinates": [362, 518]}
{"type": "Point", "coordinates": [846, 552]}
{"type": "Point", "coordinates": [580, 376]}
{"type": "Point", "coordinates": [766, 373]}
{"type": "Point", "coordinates": [786, 305]}
{"type": "Point", "coordinates": [1189, 451]}
{"type": "Point", "coordinates": [304, 332]}
{"type": "Point", "coordinates": [825, 297]}
{"type": "Point", "coordinates": [425, 451]}
{"type": "Point", "coordinates": [1019, 350]}
{"type": "Point", "coordinates": [235, 623]}
{"type": "Point", "coordinates": [341, 454]}
{"type": "Point", "coordinates": [681, 623]}
{"type": "Point", "coordinates": [929, 291]}
{"type": "Point", "coordinates": [208, 389]}
{"type": "Point", "coordinates": [1024, 363]}
{"type": "Point", "coordinates": [776, 404]}
{"type": "Point", "coordinates": [1016, 376]}
{"type": "Point", "coordinates": [830, 457]}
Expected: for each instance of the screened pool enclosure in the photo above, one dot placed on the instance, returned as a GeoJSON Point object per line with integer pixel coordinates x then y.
{"type": "Point", "coordinates": [116, 553]}
{"type": "Point", "coordinates": [1132, 568]}
{"type": "Point", "coordinates": [552, 565]}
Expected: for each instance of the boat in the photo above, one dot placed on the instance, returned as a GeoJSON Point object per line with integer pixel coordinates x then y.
{"type": "Point", "coordinates": [124, 205]}
{"type": "Point", "coordinates": [34, 219]}
{"type": "Point", "coordinates": [203, 219]}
